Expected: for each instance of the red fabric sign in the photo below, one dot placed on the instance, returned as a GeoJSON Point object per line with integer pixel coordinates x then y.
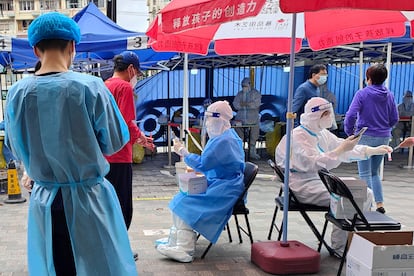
{"type": "Point", "coordinates": [177, 17]}
{"type": "Point", "coordinates": [291, 6]}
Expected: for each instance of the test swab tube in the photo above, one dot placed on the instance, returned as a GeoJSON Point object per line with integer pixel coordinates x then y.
{"type": "Point", "coordinates": [389, 156]}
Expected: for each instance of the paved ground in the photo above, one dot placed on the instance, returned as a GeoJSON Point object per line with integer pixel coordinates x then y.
{"type": "Point", "coordinates": [153, 187]}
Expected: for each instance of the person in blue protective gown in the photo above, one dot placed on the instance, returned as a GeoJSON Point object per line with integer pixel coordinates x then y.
{"type": "Point", "coordinates": [60, 124]}
{"type": "Point", "coordinates": [222, 162]}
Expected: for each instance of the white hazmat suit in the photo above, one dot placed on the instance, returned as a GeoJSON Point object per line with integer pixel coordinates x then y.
{"type": "Point", "coordinates": [405, 109]}
{"type": "Point", "coordinates": [313, 147]}
{"type": "Point", "coordinates": [247, 103]}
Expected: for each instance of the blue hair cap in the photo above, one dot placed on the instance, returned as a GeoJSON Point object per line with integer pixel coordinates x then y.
{"type": "Point", "coordinates": [53, 25]}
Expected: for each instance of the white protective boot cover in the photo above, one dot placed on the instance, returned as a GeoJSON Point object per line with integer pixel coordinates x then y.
{"type": "Point", "coordinates": [339, 237]}
{"type": "Point", "coordinates": [184, 248]}
{"type": "Point", "coordinates": [171, 240]}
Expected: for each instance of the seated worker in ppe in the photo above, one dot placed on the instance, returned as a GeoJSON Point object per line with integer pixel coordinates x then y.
{"type": "Point", "coordinates": [405, 109]}
{"type": "Point", "coordinates": [222, 162]}
{"type": "Point", "coordinates": [247, 103]}
{"type": "Point", "coordinates": [314, 147]}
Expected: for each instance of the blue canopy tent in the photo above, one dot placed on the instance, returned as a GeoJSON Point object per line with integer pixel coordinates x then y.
{"type": "Point", "coordinates": [101, 39]}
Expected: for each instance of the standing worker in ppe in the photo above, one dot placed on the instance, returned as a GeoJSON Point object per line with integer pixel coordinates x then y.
{"type": "Point", "coordinates": [247, 103]}
{"type": "Point", "coordinates": [313, 148]}
{"type": "Point", "coordinates": [60, 124]}
{"type": "Point", "coordinates": [222, 162]}
{"type": "Point", "coordinates": [405, 109]}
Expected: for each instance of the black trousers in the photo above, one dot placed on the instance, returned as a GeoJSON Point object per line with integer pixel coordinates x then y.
{"type": "Point", "coordinates": [62, 247]}
{"type": "Point", "coordinates": [120, 175]}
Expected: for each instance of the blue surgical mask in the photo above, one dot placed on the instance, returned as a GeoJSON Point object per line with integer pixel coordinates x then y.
{"type": "Point", "coordinates": [322, 79]}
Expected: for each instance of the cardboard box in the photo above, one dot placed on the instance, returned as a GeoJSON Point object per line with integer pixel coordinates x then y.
{"type": "Point", "coordinates": [341, 207]}
{"type": "Point", "coordinates": [192, 183]}
{"type": "Point", "coordinates": [180, 167]}
{"type": "Point", "coordinates": [355, 268]}
{"type": "Point", "coordinates": [357, 187]}
{"type": "Point", "coordinates": [381, 254]}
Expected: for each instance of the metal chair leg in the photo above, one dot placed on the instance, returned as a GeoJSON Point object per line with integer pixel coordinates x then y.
{"type": "Point", "coordinates": [248, 228]}
{"type": "Point", "coordinates": [280, 231]}
{"type": "Point", "coordinates": [238, 228]}
{"type": "Point", "coordinates": [272, 225]}
{"type": "Point", "coordinates": [342, 260]}
{"type": "Point", "coordinates": [325, 225]}
{"type": "Point", "coordinates": [316, 232]}
{"type": "Point", "coordinates": [228, 232]}
{"type": "Point", "coordinates": [205, 251]}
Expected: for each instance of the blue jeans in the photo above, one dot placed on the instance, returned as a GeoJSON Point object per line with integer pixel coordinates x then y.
{"type": "Point", "coordinates": [369, 169]}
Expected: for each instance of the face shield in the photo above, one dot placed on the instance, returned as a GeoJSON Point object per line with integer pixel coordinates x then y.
{"type": "Point", "coordinates": [217, 118]}
{"type": "Point", "coordinates": [213, 124]}
{"type": "Point", "coordinates": [327, 118]}
{"type": "Point", "coordinates": [318, 115]}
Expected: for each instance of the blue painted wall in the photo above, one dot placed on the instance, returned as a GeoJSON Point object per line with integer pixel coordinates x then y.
{"type": "Point", "coordinates": [162, 93]}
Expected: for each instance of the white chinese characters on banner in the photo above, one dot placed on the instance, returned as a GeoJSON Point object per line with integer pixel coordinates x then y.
{"type": "Point", "coordinates": [215, 15]}
{"type": "Point", "coordinates": [270, 22]}
{"type": "Point", "coordinates": [328, 41]}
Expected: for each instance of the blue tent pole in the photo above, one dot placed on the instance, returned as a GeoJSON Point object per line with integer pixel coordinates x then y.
{"type": "Point", "coordinates": [289, 124]}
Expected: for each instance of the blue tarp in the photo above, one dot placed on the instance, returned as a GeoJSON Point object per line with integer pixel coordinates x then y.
{"type": "Point", "coordinates": [101, 38]}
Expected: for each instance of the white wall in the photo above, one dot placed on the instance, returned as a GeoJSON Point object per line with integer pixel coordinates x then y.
{"type": "Point", "coordinates": [132, 15]}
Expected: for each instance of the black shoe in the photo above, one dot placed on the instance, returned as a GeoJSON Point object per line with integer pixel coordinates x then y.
{"type": "Point", "coordinates": [381, 210]}
{"type": "Point", "coordinates": [136, 256]}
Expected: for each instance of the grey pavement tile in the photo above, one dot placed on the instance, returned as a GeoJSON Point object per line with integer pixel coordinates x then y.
{"type": "Point", "coordinates": [152, 190]}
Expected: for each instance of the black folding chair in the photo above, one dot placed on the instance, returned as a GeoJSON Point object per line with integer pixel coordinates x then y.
{"type": "Point", "coordinates": [360, 221]}
{"type": "Point", "coordinates": [240, 208]}
{"type": "Point", "coordinates": [295, 206]}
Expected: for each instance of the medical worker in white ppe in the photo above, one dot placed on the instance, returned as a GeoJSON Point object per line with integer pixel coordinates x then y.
{"type": "Point", "coordinates": [247, 103]}
{"type": "Point", "coordinates": [313, 148]}
{"type": "Point", "coordinates": [222, 162]}
{"type": "Point", "coordinates": [60, 124]}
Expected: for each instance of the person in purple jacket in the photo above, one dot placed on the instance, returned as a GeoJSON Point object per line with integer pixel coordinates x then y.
{"type": "Point", "coordinates": [373, 107]}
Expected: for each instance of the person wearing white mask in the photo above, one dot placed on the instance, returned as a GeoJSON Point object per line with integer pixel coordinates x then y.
{"type": "Point", "coordinates": [310, 88]}
{"type": "Point", "coordinates": [247, 102]}
{"type": "Point", "coordinates": [405, 109]}
{"type": "Point", "coordinates": [121, 84]}
{"type": "Point", "coordinates": [222, 162]}
{"type": "Point", "coordinates": [313, 148]}
{"type": "Point", "coordinates": [59, 124]}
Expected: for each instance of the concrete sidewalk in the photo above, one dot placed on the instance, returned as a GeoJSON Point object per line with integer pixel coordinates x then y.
{"type": "Point", "coordinates": [153, 188]}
